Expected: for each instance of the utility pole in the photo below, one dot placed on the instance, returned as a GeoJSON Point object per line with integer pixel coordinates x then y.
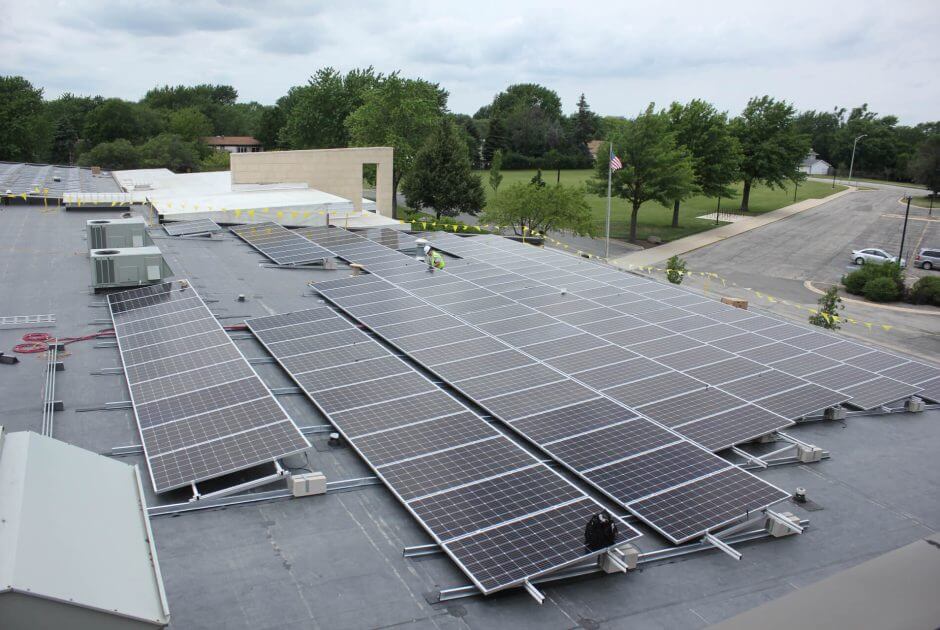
{"type": "Point", "coordinates": [904, 229]}
{"type": "Point", "coordinates": [852, 163]}
{"type": "Point", "coordinates": [610, 157]}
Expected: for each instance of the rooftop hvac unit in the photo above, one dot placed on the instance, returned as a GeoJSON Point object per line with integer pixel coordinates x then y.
{"type": "Point", "coordinates": [117, 233]}
{"type": "Point", "coordinates": [127, 267]}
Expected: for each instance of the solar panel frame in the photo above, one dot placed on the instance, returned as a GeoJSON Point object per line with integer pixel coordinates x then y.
{"type": "Point", "coordinates": [159, 400]}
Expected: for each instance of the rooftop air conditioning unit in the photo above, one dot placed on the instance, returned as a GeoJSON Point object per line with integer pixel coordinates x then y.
{"type": "Point", "coordinates": [117, 233]}
{"type": "Point", "coordinates": [127, 267]}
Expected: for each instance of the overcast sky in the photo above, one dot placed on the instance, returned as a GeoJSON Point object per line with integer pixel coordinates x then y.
{"type": "Point", "coordinates": [622, 55]}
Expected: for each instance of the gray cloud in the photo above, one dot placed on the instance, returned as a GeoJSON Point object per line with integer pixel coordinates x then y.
{"type": "Point", "coordinates": [621, 55]}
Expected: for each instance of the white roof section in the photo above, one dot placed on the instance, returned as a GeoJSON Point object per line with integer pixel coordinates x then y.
{"type": "Point", "coordinates": [189, 196]}
{"type": "Point", "coordinates": [73, 528]}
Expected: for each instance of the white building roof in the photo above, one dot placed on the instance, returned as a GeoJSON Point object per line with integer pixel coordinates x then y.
{"type": "Point", "coordinates": [73, 528]}
{"type": "Point", "coordinates": [213, 196]}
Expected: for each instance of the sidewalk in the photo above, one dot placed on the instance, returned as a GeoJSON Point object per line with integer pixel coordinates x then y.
{"type": "Point", "coordinates": [696, 241]}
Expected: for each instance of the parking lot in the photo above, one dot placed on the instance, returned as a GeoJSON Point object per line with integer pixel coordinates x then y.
{"type": "Point", "coordinates": [816, 246]}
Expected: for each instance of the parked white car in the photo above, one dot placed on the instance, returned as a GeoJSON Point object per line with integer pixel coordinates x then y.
{"type": "Point", "coordinates": [874, 255]}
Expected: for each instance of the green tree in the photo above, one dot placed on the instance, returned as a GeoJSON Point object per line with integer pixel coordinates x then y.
{"type": "Point", "coordinates": [772, 148]}
{"type": "Point", "coordinates": [442, 178]}
{"type": "Point", "coordinates": [270, 124]}
{"type": "Point", "coordinates": [21, 110]}
{"type": "Point", "coordinates": [318, 112]}
{"type": "Point", "coordinates": [495, 140]}
{"type": "Point", "coordinates": [171, 151]}
{"type": "Point", "coordinates": [540, 209]}
{"type": "Point", "coordinates": [496, 175]}
{"type": "Point", "coordinates": [111, 120]}
{"type": "Point", "coordinates": [217, 102]}
{"type": "Point", "coordinates": [531, 116]}
{"type": "Point", "coordinates": [827, 313]}
{"type": "Point", "coordinates": [716, 156]}
{"type": "Point", "coordinates": [654, 167]}
{"type": "Point", "coordinates": [925, 167]}
{"type": "Point", "coordinates": [216, 161]}
{"type": "Point", "coordinates": [66, 116]}
{"type": "Point", "coordinates": [821, 128]}
{"type": "Point", "coordinates": [190, 124]}
{"type": "Point", "coordinates": [401, 113]}
{"type": "Point", "coordinates": [585, 125]}
{"type": "Point", "coordinates": [117, 155]}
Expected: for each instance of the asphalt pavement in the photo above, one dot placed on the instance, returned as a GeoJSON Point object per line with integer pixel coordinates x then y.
{"type": "Point", "coordinates": [815, 246]}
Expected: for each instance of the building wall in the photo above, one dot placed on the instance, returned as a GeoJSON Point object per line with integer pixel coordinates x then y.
{"type": "Point", "coordinates": [19, 611]}
{"type": "Point", "coordinates": [336, 171]}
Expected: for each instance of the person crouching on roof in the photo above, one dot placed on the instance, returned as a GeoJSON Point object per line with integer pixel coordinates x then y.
{"type": "Point", "coordinates": [433, 258]}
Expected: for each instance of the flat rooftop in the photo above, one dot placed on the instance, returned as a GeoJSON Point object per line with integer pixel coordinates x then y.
{"type": "Point", "coordinates": [335, 561]}
{"type": "Point", "coordinates": [19, 178]}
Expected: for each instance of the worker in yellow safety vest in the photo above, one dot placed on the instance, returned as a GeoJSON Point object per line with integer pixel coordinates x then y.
{"type": "Point", "coordinates": [433, 258]}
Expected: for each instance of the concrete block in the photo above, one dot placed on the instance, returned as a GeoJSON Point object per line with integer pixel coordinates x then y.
{"type": "Point", "coordinates": [809, 454]}
{"type": "Point", "coordinates": [834, 413]}
{"type": "Point", "coordinates": [914, 404]}
{"type": "Point", "coordinates": [307, 484]}
{"type": "Point", "coordinates": [779, 530]}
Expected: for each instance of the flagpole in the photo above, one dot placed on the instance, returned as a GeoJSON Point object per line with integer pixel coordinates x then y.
{"type": "Point", "coordinates": [610, 156]}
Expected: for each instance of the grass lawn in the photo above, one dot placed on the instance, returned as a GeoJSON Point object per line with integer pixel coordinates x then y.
{"type": "Point", "coordinates": [924, 202]}
{"type": "Point", "coordinates": [655, 219]}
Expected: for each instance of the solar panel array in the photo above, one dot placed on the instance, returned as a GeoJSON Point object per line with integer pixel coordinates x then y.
{"type": "Point", "coordinates": [870, 377]}
{"type": "Point", "coordinates": [187, 228]}
{"type": "Point", "coordinates": [19, 178]}
{"type": "Point", "coordinates": [591, 432]}
{"type": "Point", "coordinates": [391, 238]}
{"type": "Point", "coordinates": [494, 508]}
{"type": "Point", "coordinates": [201, 410]}
{"type": "Point", "coordinates": [280, 245]}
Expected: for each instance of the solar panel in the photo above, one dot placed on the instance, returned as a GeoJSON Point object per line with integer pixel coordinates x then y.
{"type": "Point", "coordinates": [189, 228]}
{"type": "Point", "coordinates": [201, 410]}
{"type": "Point", "coordinates": [457, 475]}
{"type": "Point", "coordinates": [280, 245]}
{"type": "Point", "coordinates": [724, 430]}
{"type": "Point", "coordinates": [874, 393]}
{"type": "Point", "coordinates": [528, 399]}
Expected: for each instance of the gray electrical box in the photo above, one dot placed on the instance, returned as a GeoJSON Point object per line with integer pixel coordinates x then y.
{"type": "Point", "coordinates": [117, 233]}
{"type": "Point", "coordinates": [127, 267]}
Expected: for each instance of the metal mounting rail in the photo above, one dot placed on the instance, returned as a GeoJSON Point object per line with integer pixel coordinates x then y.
{"type": "Point", "coordinates": [48, 394]}
{"type": "Point", "coordinates": [24, 321]}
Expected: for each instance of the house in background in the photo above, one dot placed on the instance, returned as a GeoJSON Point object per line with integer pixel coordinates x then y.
{"type": "Point", "coordinates": [814, 165]}
{"type": "Point", "coordinates": [233, 144]}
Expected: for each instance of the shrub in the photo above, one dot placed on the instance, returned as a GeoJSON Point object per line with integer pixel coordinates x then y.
{"type": "Point", "coordinates": [882, 289]}
{"type": "Point", "coordinates": [829, 306]}
{"type": "Point", "coordinates": [926, 291]}
{"type": "Point", "coordinates": [675, 269]}
{"type": "Point", "coordinates": [855, 282]}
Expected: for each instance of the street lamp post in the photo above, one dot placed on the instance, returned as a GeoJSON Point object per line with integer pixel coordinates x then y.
{"type": "Point", "coordinates": [904, 229]}
{"type": "Point", "coordinates": [852, 162]}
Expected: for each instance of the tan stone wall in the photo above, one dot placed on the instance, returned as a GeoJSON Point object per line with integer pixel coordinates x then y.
{"type": "Point", "coordinates": [336, 171]}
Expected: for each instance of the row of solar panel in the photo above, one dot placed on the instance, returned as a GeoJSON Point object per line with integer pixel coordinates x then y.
{"type": "Point", "coordinates": [201, 410]}
{"type": "Point", "coordinates": [280, 245]}
{"type": "Point", "coordinates": [871, 377]}
{"type": "Point", "coordinates": [632, 380]}
{"type": "Point", "coordinates": [500, 513]}
{"type": "Point", "coordinates": [555, 392]}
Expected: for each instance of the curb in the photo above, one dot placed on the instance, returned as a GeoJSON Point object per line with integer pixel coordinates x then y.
{"type": "Point", "coordinates": [808, 284]}
{"type": "Point", "coordinates": [766, 219]}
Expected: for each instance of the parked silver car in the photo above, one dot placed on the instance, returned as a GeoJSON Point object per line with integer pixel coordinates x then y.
{"type": "Point", "coordinates": [928, 258]}
{"type": "Point", "coordinates": [874, 255]}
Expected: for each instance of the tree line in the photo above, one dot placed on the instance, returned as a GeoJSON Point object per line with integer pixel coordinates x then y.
{"type": "Point", "coordinates": [668, 154]}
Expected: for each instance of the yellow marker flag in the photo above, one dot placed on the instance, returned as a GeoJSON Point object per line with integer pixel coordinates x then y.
{"type": "Point", "coordinates": [887, 327]}
{"type": "Point", "coordinates": [280, 214]}
{"type": "Point", "coordinates": [251, 213]}
{"type": "Point", "coordinates": [868, 326]}
{"type": "Point", "coordinates": [826, 316]}
{"type": "Point", "coordinates": [23, 195]}
{"type": "Point", "coordinates": [113, 203]}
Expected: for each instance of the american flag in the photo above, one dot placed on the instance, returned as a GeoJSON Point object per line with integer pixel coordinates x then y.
{"type": "Point", "coordinates": [615, 164]}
